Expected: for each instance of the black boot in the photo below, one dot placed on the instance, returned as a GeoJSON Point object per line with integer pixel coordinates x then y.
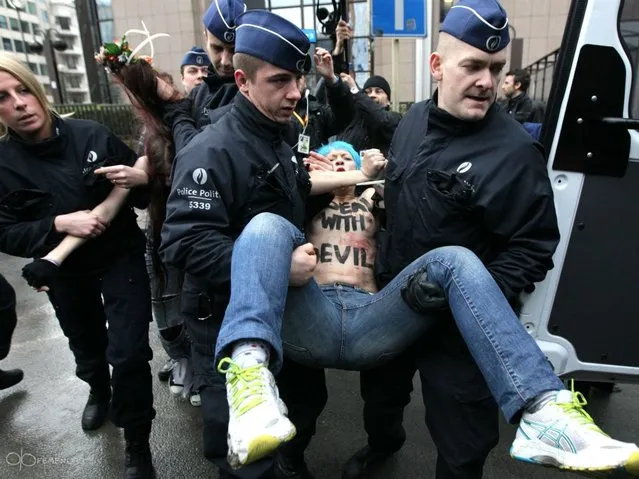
{"type": "Point", "coordinates": [288, 466]}
{"type": "Point", "coordinates": [138, 463]}
{"type": "Point", "coordinates": [96, 411]}
{"type": "Point", "coordinates": [363, 462]}
{"type": "Point", "coordinates": [10, 378]}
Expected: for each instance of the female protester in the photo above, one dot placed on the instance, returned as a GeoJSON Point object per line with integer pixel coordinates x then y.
{"type": "Point", "coordinates": [8, 321]}
{"type": "Point", "coordinates": [47, 187]}
{"type": "Point", "coordinates": [139, 80]}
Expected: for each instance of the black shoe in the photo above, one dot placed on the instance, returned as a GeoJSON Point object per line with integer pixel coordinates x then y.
{"type": "Point", "coordinates": [290, 467]}
{"type": "Point", "coordinates": [138, 463]}
{"type": "Point", "coordinates": [10, 378]}
{"type": "Point", "coordinates": [95, 412]}
{"type": "Point", "coordinates": [165, 371]}
{"type": "Point", "coordinates": [363, 462]}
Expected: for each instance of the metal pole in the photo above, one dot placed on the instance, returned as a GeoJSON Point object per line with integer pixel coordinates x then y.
{"type": "Point", "coordinates": [395, 71]}
{"type": "Point", "coordinates": [54, 64]}
{"type": "Point", "coordinates": [24, 41]}
{"type": "Point", "coordinates": [423, 49]}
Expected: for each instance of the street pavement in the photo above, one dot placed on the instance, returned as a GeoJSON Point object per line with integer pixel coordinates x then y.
{"type": "Point", "coordinates": [40, 434]}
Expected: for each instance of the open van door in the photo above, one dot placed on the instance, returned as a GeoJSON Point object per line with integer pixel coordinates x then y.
{"type": "Point", "coordinates": [585, 314]}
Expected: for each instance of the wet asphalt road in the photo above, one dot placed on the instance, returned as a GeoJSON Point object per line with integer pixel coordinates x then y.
{"type": "Point", "coordinates": [40, 434]}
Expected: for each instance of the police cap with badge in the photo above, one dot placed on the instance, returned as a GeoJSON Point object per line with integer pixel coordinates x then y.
{"type": "Point", "coordinates": [482, 24]}
{"type": "Point", "coordinates": [196, 56]}
{"type": "Point", "coordinates": [219, 18]}
{"type": "Point", "coordinates": [269, 37]}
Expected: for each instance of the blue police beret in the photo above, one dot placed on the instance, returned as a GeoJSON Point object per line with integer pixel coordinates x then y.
{"type": "Point", "coordinates": [269, 37]}
{"type": "Point", "coordinates": [196, 56]}
{"type": "Point", "coordinates": [480, 23]}
{"type": "Point", "coordinates": [219, 18]}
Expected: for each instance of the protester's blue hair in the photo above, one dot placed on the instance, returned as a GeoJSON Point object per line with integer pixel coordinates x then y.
{"type": "Point", "coordinates": [341, 145]}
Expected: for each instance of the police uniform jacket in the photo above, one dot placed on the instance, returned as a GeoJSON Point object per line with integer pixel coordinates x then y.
{"type": "Point", "coordinates": [39, 181]}
{"type": "Point", "coordinates": [233, 170]}
{"type": "Point", "coordinates": [188, 117]}
{"type": "Point", "coordinates": [373, 125]}
{"type": "Point", "coordinates": [482, 185]}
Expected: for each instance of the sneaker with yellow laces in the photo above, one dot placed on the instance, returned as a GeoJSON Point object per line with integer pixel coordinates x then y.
{"type": "Point", "coordinates": [563, 435]}
{"type": "Point", "coordinates": [257, 416]}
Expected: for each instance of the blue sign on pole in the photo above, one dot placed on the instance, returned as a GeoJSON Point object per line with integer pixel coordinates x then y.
{"type": "Point", "coordinates": [398, 18]}
{"type": "Point", "coordinates": [311, 34]}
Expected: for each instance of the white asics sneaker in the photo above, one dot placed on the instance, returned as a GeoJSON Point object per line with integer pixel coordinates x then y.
{"type": "Point", "coordinates": [257, 416]}
{"type": "Point", "coordinates": [563, 435]}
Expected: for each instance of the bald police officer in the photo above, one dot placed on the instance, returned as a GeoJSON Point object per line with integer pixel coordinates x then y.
{"type": "Point", "coordinates": [485, 187]}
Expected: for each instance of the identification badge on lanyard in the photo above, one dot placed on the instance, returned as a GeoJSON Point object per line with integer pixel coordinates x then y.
{"type": "Point", "coordinates": [304, 144]}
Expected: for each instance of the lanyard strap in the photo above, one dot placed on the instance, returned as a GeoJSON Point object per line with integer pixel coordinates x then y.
{"type": "Point", "coordinates": [303, 121]}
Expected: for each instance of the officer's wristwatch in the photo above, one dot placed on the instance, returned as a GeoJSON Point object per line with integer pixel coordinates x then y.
{"type": "Point", "coordinates": [354, 90]}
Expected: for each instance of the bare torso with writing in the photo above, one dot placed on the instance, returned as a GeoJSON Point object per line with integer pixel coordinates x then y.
{"type": "Point", "coordinates": [344, 238]}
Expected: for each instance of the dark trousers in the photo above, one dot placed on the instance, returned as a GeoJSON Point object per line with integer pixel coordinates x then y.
{"type": "Point", "coordinates": [461, 415]}
{"type": "Point", "coordinates": [8, 318]}
{"type": "Point", "coordinates": [125, 345]}
{"type": "Point", "coordinates": [302, 389]}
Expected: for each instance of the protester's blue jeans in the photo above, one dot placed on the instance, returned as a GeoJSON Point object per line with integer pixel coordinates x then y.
{"type": "Point", "coordinates": [342, 327]}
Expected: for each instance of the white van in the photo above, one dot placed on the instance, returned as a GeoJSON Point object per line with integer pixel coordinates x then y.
{"type": "Point", "coordinates": [585, 315]}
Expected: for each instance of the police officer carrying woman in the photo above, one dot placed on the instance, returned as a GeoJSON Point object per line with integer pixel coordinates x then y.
{"type": "Point", "coordinates": [47, 189]}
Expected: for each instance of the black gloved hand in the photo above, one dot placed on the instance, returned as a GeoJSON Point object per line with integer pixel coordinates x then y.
{"type": "Point", "coordinates": [39, 273]}
{"type": "Point", "coordinates": [424, 296]}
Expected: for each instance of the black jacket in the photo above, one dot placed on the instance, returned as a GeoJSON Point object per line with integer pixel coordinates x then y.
{"type": "Point", "coordinates": [220, 182]}
{"type": "Point", "coordinates": [39, 181]}
{"type": "Point", "coordinates": [482, 185]}
{"type": "Point", "coordinates": [324, 121]}
{"type": "Point", "coordinates": [373, 125]}
{"type": "Point", "coordinates": [188, 117]}
{"type": "Point", "coordinates": [520, 107]}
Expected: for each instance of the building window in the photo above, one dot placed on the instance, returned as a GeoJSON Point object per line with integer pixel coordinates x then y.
{"type": "Point", "coordinates": [63, 22]}
{"type": "Point", "coordinates": [33, 67]}
{"type": "Point", "coordinates": [303, 14]}
{"type": "Point", "coordinates": [35, 28]}
{"type": "Point", "coordinates": [72, 62]}
{"type": "Point", "coordinates": [19, 46]}
{"type": "Point", "coordinates": [77, 98]}
{"type": "Point", "coordinates": [70, 41]}
{"type": "Point", "coordinates": [44, 71]}
{"type": "Point", "coordinates": [284, 3]}
{"type": "Point", "coordinates": [14, 24]}
{"type": "Point", "coordinates": [31, 8]}
{"type": "Point", "coordinates": [7, 45]}
{"type": "Point", "coordinates": [73, 81]}
{"type": "Point", "coordinates": [26, 26]}
{"type": "Point", "coordinates": [44, 15]}
{"type": "Point", "coordinates": [3, 22]}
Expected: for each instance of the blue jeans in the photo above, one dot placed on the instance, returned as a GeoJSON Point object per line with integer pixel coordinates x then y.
{"type": "Point", "coordinates": [342, 327]}
{"type": "Point", "coordinates": [166, 301]}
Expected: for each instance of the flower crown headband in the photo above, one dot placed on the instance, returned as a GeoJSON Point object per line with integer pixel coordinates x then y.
{"type": "Point", "coordinates": [114, 55]}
